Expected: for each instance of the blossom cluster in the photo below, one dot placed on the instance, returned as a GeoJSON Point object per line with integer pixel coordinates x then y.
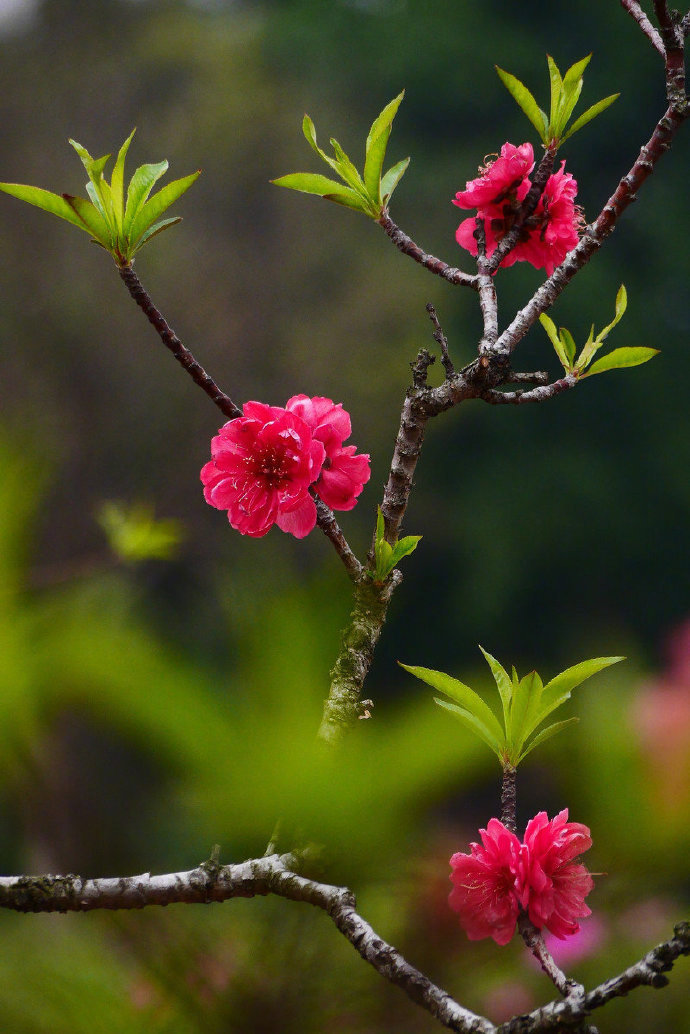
{"type": "Point", "coordinates": [497, 194]}
{"type": "Point", "coordinates": [540, 875]}
{"type": "Point", "coordinates": [266, 464]}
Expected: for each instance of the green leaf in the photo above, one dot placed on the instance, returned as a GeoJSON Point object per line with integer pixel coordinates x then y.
{"type": "Point", "coordinates": [96, 200]}
{"type": "Point", "coordinates": [532, 717]}
{"type": "Point", "coordinates": [589, 114]}
{"type": "Point", "coordinates": [572, 88]}
{"type": "Point", "coordinates": [377, 142]}
{"type": "Point", "coordinates": [91, 218]}
{"type": "Point", "coordinates": [94, 167]}
{"type": "Point", "coordinates": [140, 186]}
{"type": "Point", "coordinates": [620, 358]}
{"type": "Point", "coordinates": [351, 199]}
{"type": "Point", "coordinates": [503, 683]}
{"type": "Point", "coordinates": [346, 169]}
{"type": "Point", "coordinates": [558, 690]}
{"type": "Point", "coordinates": [157, 204]}
{"type": "Point", "coordinates": [461, 694]}
{"type": "Point", "coordinates": [45, 199]}
{"type": "Point", "coordinates": [575, 72]}
{"type": "Point", "coordinates": [550, 328]}
{"type": "Point", "coordinates": [529, 686]}
{"type": "Point", "coordinates": [556, 89]}
{"type": "Point", "coordinates": [472, 723]}
{"type": "Point", "coordinates": [154, 230]}
{"type": "Point", "coordinates": [391, 179]}
{"type": "Point", "coordinates": [546, 734]}
{"type": "Point", "coordinates": [404, 547]}
{"type": "Point", "coordinates": [569, 346]}
{"type": "Point", "coordinates": [311, 183]}
{"type": "Point", "coordinates": [117, 182]}
{"type": "Point", "coordinates": [526, 101]}
{"type": "Point", "coordinates": [621, 306]}
{"type": "Point", "coordinates": [310, 134]}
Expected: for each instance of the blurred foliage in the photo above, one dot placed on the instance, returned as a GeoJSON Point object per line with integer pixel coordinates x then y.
{"type": "Point", "coordinates": [151, 712]}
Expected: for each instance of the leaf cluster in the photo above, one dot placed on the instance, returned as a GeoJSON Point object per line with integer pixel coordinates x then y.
{"type": "Point", "coordinates": [565, 348]}
{"type": "Point", "coordinates": [565, 93]}
{"type": "Point", "coordinates": [526, 703]}
{"type": "Point", "coordinates": [368, 193]}
{"type": "Point", "coordinates": [388, 557]}
{"type": "Point", "coordinates": [121, 226]}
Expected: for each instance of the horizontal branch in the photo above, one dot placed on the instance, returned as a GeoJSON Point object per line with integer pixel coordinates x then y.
{"type": "Point", "coordinates": [210, 881]}
{"type": "Point", "coordinates": [538, 394]}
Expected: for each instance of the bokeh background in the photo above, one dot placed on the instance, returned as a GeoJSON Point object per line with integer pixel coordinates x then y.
{"type": "Point", "coordinates": [151, 710]}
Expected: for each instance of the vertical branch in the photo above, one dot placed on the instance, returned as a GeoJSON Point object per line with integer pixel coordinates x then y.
{"type": "Point", "coordinates": [509, 797]}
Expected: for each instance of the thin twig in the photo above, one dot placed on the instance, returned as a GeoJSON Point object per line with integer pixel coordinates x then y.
{"type": "Point", "coordinates": [329, 526]}
{"type": "Point", "coordinates": [442, 341]}
{"type": "Point", "coordinates": [171, 341]}
{"type": "Point", "coordinates": [430, 262]}
{"type": "Point", "coordinates": [635, 11]}
{"type": "Point", "coordinates": [535, 942]}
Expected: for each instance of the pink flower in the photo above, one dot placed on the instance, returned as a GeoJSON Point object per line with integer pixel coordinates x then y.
{"type": "Point", "coordinates": [557, 219]}
{"type": "Point", "coordinates": [261, 468]}
{"type": "Point", "coordinates": [539, 875]}
{"type": "Point", "coordinates": [266, 464]}
{"type": "Point", "coordinates": [504, 179]}
{"type": "Point", "coordinates": [554, 886]}
{"type": "Point", "coordinates": [550, 232]}
{"type": "Point", "coordinates": [344, 474]}
{"type": "Point", "coordinates": [484, 885]}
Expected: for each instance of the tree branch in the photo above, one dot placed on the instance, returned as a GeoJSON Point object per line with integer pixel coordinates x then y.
{"type": "Point", "coordinates": [650, 971]}
{"type": "Point", "coordinates": [435, 265]}
{"type": "Point", "coordinates": [259, 876]}
{"type": "Point", "coordinates": [595, 235]}
{"type": "Point", "coordinates": [633, 8]}
{"type": "Point", "coordinates": [171, 341]}
{"type": "Point", "coordinates": [325, 519]}
{"type": "Point", "coordinates": [538, 394]}
{"type": "Point", "coordinates": [527, 209]}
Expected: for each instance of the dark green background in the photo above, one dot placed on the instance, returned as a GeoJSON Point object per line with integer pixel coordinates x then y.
{"type": "Point", "coordinates": [149, 713]}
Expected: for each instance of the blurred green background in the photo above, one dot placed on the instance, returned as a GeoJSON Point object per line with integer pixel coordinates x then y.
{"type": "Point", "coordinates": [152, 710]}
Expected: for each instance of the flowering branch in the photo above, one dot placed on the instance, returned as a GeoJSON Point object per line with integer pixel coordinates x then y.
{"type": "Point", "coordinates": [634, 9]}
{"type": "Point", "coordinates": [275, 874]}
{"type": "Point", "coordinates": [595, 234]}
{"type": "Point", "coordinates": [434, 265]}
{"type": "Point", "coordinates": [527, 209]}
{"type": "Point", "coordinates": [171, 341]}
